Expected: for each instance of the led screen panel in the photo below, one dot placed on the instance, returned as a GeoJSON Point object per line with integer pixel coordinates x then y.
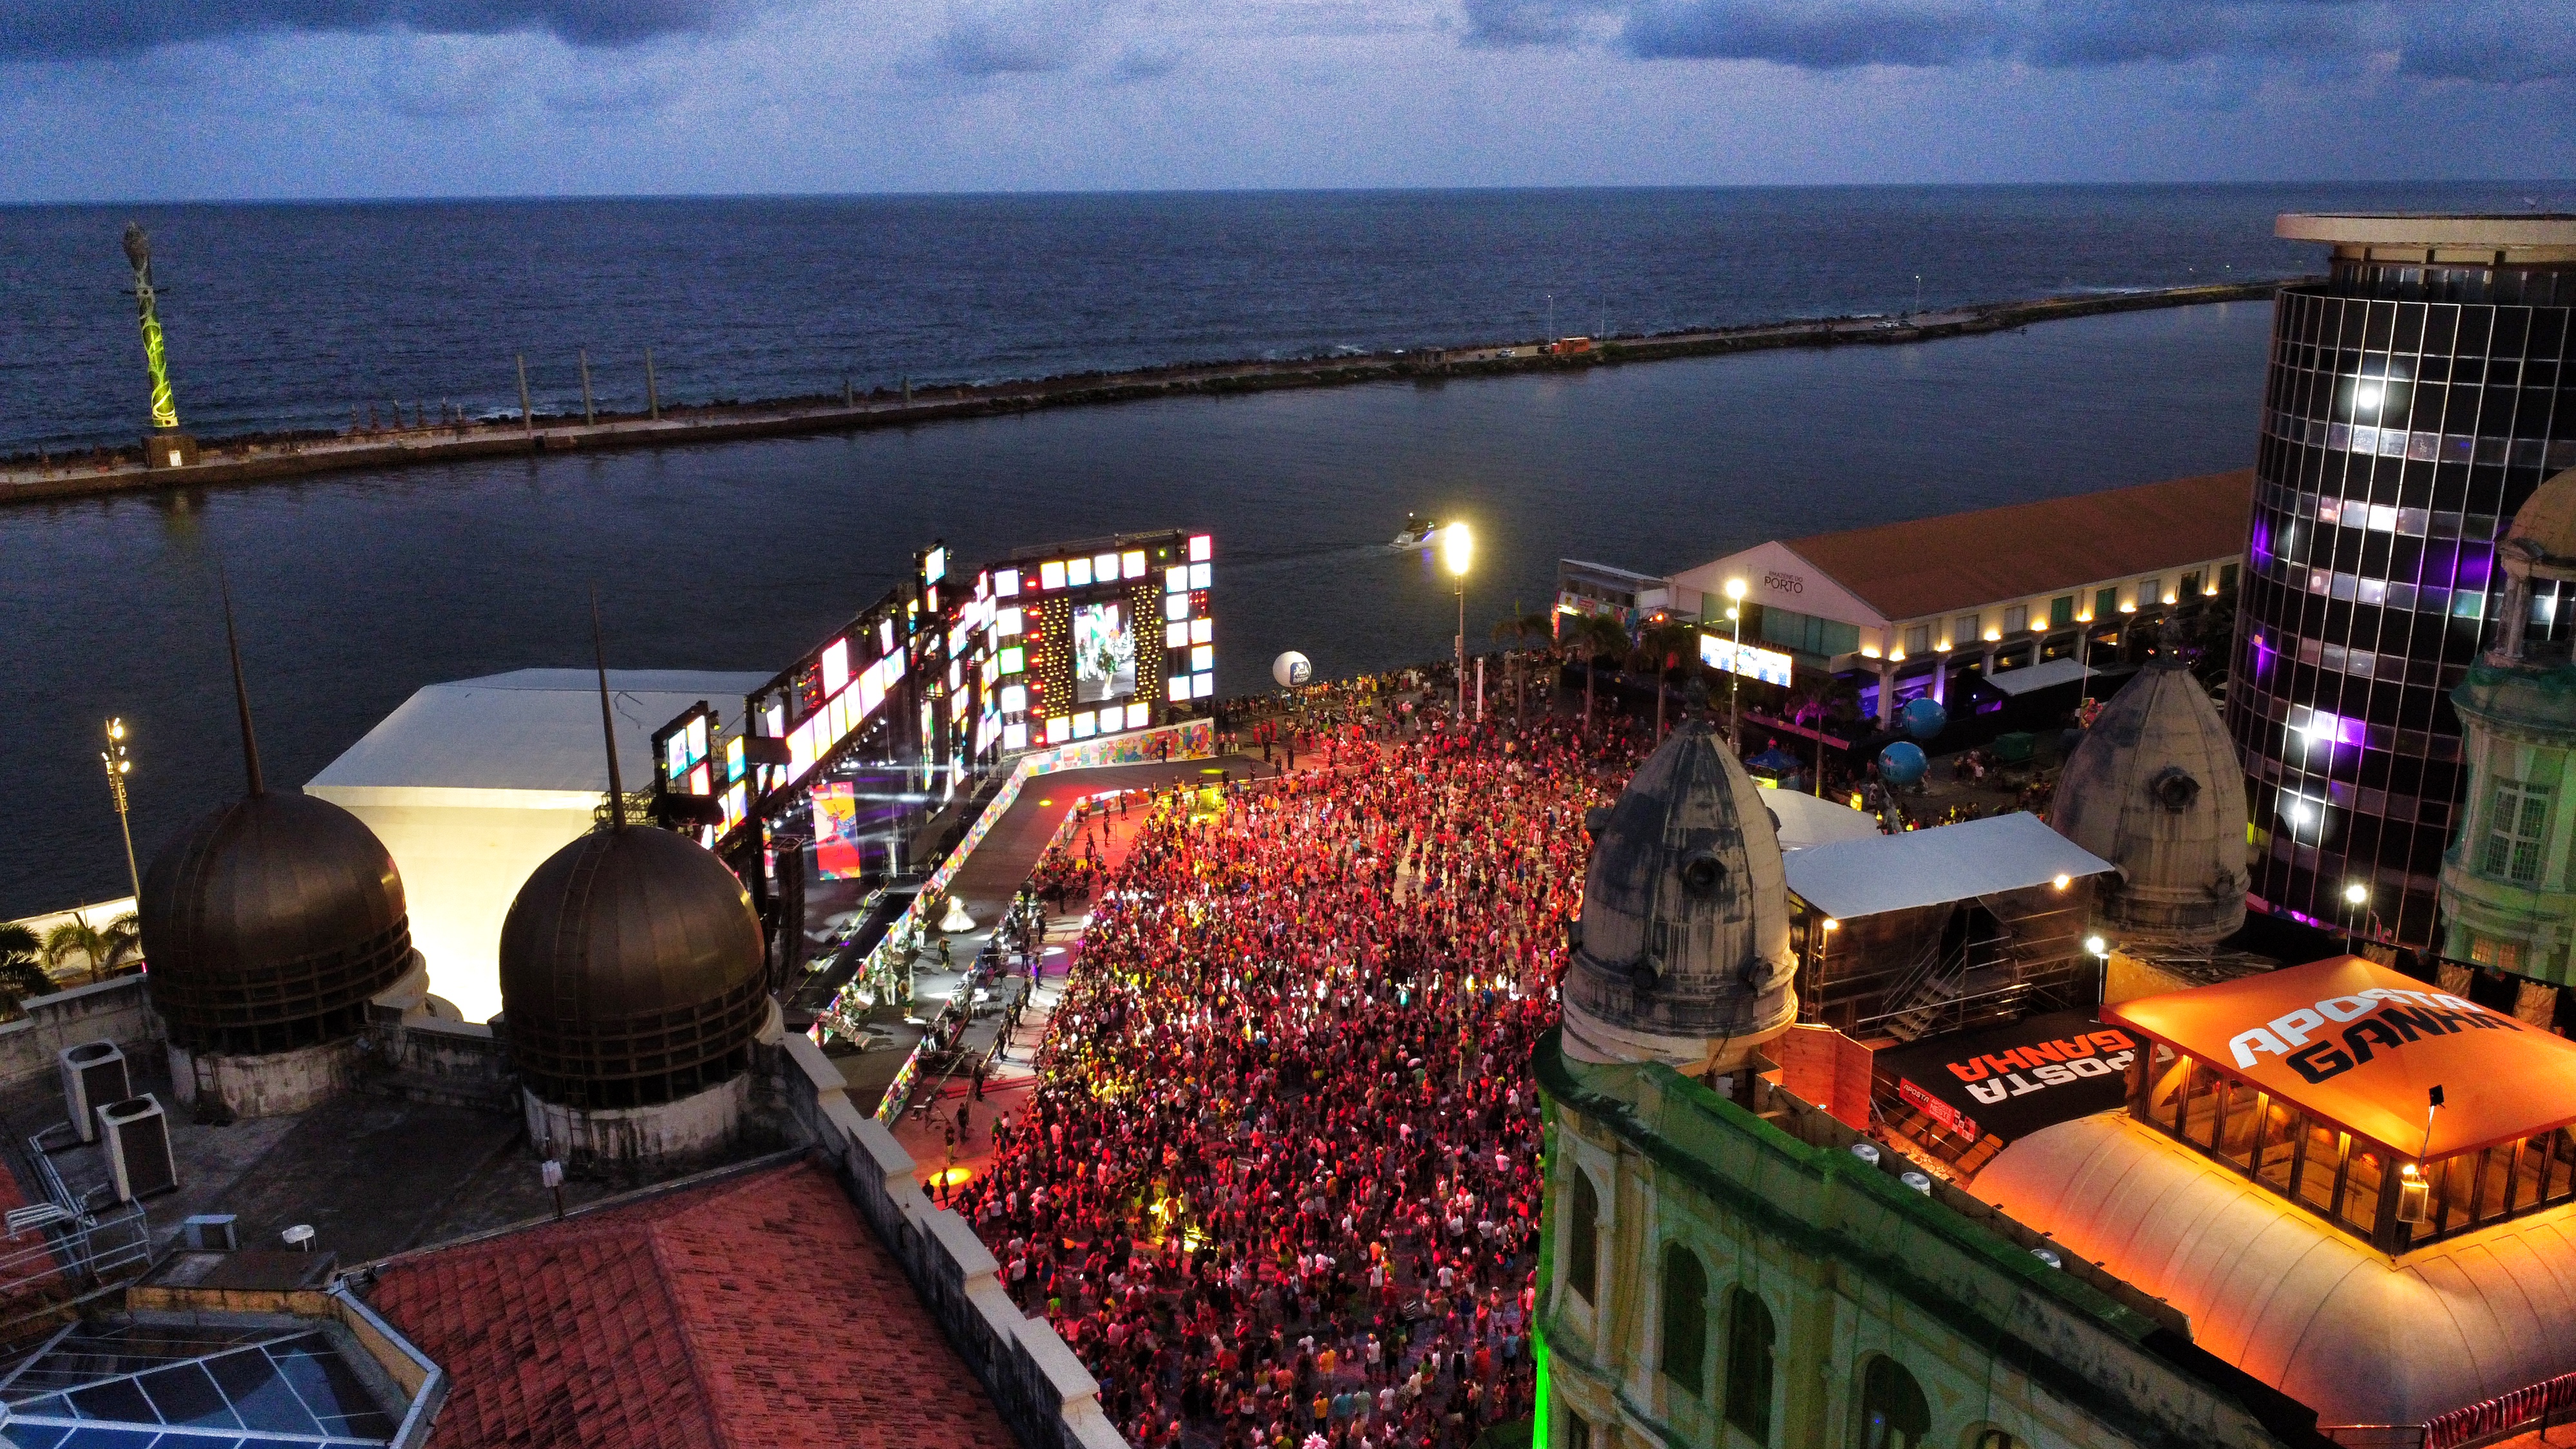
{"type": "Point", "coordinates": [1104, 652]}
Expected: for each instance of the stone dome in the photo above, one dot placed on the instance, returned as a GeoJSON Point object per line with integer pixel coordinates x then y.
{"type": "Point", "coordinates": [2547, 522]}
{"type": "Point", "coordinates": [1683, 951]}
{"type": "Point", "coordinates": [268, 925]}
{"type": "Point", "coordinates": [2155, 789]}
{"type": "Point", "coordinates": [632, 971]}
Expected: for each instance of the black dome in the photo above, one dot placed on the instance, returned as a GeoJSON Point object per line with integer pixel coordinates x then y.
{"type": "Point", "coordinates": [268, 925]}
{"type": "Point", "coordinates": [632, 971]}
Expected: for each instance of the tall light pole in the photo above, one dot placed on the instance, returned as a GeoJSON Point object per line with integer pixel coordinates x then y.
{"type": "Point", "coordinates": [119, 765]}
{"type": "Point", "coordinates": [1735, 664]}
{"type": "Point", "coordinates": [2355, 896]}
{"type": "Point", "coordinates": [1457, 547]}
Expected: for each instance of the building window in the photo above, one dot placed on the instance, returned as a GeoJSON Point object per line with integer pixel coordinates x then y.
{"type": "Point", "coordinates": [2017, 618]}
{"type": "Point", "coordinates": [1578, 1434]}
{"type": "Point", "coordinates": [2191, 584]}
{"type": "Point", "coordinates": [1748, 1365]}
{"type": "Point", "coordinates": [1963, 629]}
{"type": "Point", "coordinates": [1582, 1236]}
{"type": "Point", "coordinates": [2517, 828]}
{"type": "Point", "coordinates": [2227, 579]}
{"type": "Point", "coordinates": [2151, 592]}
{"type": "Point", "coordinates": [1685, 1318]}
{"type": "Point", "coordinates": [1918, 638]}
{"type": "Point", "coordinates": [2061, 611]}
{"type": "Point", "coordinates": [2502, 955]}
{"type": "Point", "coordinates": [2106, 602]}
{"type": "Point", "coordinates": [1892, 1412]}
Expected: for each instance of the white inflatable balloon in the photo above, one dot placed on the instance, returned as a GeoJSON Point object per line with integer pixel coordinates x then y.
{"type": "Point", "coordinates": [1292, 670]}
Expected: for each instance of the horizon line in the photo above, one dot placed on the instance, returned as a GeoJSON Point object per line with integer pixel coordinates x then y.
{"type": "Point", "coordinates": [1033, 193]}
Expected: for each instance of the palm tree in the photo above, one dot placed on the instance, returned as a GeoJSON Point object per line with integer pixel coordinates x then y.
{"type": "Point", "coordinates": [104, 949]}
{"type": "Point", "coordinates": [1664, 648]}
{"type": "Point", "coordinates": [1520, 631]}
{"type": "Point", "coordinates": [20, 974]}
{"type": "Point", "coordinates": [1824, 696]}
{"type": "Point", "coordinates": [1597, 637]}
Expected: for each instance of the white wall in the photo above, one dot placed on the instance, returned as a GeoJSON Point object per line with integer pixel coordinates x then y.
{"type": "Point", "coordinates": [463, 855]}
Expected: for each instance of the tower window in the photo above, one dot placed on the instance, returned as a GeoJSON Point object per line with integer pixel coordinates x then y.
{"type": "Point", "coordinates": [1893, 1414]}
{"type": "Point", "coordinates": [1582, 1236]}
{"type": "Point", "coordinates": [2517, 829]}
{"type": "Point", "coordinates": [1918, 638]}
{"type": "Point", "coordinates": [1748, 1365]}
{"type": "Point", "coordinates": [2016, 618]}
{"type": "Point", "coordinates": [1685, 1318]}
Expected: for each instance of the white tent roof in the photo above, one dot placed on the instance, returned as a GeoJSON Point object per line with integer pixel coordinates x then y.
{"type": "Point", "coordinates": [2290, 1300]}
{"type": "Point", "coordinates": [2048, 672]}
{"type": "Point", "coordinates": [1807, 821]}
{"type": "Point", "coordinates": [531, 730]}
{"type": "Point", "coordinates": [1927, 867]}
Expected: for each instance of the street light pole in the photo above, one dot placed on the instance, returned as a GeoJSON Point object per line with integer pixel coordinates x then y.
{"type": "Point", "coordinates": [2355, 896]}
{"type": "Point", "coordinates": [1457, 546]}
{"type": "Point", "coordinates": [118, 766]}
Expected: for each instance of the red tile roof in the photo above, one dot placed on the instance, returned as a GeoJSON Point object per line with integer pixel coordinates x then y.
{"type": "Point", "coordinates": [755, 1311]}
{"type": "Point", "coordinates": [1930, 566]}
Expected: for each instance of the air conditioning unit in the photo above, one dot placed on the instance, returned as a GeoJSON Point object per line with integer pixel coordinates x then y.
{"type": "Point", "coordinates": [213, 1233]}
{"type": "Point", "coordinates": [93, 1075]}
{"type": "Point", "coordinates": [138, 1147]}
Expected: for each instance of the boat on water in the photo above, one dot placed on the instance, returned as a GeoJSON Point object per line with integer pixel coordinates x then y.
{"type": "Point", "coordinates": [1417, 532]}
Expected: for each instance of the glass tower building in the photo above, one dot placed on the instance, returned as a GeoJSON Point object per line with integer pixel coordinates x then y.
{"type": "Point", "coordinates": [2415, 398]}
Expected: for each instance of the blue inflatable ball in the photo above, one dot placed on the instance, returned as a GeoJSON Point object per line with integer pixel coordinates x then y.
{"type": "Point", "coordinates": [1924, 718]}
{"type": "Point", "coordinates": [1902, 763]}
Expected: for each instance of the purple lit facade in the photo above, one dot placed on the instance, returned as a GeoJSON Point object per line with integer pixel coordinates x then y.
{"type": "Point", "coordinates": [2415, 399]}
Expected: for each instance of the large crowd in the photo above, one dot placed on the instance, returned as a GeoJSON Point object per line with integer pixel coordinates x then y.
{"type": "Point", "coordinates": [1278, 1183]}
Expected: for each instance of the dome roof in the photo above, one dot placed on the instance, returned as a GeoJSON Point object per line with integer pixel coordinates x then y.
{"type": "Point", "coordinates": [269, 924]}
{"type": "Point", "coordinates": [2548, 520]}
{"type": "Point", "coordinates": [632, 971]}
{"type": "Point", "coordinates": [2277, 1291]}
{"type": "Point", "coordinates": [1684, 941]}
{"type": "Point", "coordinates": [2155, 789]}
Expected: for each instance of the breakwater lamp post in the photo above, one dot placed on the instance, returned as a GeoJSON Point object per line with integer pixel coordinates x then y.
{"type": "Point", "coordinates": [165, 446]}
{"type": "Point", "coordinates": [1457, 547]}
{"type": "Point", "coordinates": [119, 765]}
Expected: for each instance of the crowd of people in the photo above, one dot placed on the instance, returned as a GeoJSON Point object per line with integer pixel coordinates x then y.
{"type": "Point", "coordinates": [1278, 1182]}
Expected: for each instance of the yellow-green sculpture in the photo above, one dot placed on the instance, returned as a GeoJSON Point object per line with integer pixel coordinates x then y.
{"type": "Point", "coordinates": [138, 250]}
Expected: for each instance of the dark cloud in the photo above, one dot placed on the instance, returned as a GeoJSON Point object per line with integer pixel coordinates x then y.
{"type": "Point", "coordinates": [91, 29]}
{"type": "Point", "coordinates": [2482, 41]}
{"type": "Point", "coordinates": [1827, 35]}
{"type": "Point", "coordinates": [1015, 37]}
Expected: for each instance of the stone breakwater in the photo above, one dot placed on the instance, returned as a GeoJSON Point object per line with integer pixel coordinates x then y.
{"type": "Point", "coordinates": [263, 458]}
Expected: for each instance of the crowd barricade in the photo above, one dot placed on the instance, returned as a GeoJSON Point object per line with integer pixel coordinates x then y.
{"type": "Point", "coordinates": [2543, 1402]}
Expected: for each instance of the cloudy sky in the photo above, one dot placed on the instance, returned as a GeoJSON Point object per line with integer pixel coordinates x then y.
{"type": "Point", "coordinates": [178, 99]}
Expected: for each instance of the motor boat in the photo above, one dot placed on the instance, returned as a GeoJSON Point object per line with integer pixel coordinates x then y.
{"type": "Point", "coordinates": [1417, 532]}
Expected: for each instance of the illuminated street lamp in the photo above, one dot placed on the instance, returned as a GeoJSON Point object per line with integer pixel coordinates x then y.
{"type": "Point", "coordinates": [119, 765]}
{"type": "Point", "coordinates": [1457, 547]}
{"type": "Point", "coordinates": [1735, 662]}
{"type": "Point", "coordinates": [2100, 949]}
{"type": "Point", "coordinates": [2356, 899]}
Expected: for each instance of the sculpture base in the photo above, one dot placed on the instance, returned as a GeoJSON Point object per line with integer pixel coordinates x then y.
{"type": "Point", "coordinates": [173, 449]}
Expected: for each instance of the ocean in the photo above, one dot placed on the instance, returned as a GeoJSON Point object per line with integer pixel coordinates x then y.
{"type": "Point", "coordinates": [355, 590]}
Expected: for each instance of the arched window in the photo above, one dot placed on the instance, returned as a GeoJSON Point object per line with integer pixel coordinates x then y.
{"type": "Point", "coordinates": [1748, 1365]}
{"type": "Point", "coordinates": [1986, 1436]}
{"type": "Point", "coordinates": [1582, 1232]}
{"type": "Point", "coordinates": [1892, 1412]}
{"type": "Point", "coordinates": [1685, 1318]}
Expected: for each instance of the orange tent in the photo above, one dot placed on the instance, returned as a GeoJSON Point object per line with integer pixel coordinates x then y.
{"type": "Point", "coordinates": [2362, 1047]}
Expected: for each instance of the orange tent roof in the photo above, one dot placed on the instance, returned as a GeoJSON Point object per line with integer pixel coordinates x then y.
{"type": "Point", "coordinates": [2361, 1046]}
